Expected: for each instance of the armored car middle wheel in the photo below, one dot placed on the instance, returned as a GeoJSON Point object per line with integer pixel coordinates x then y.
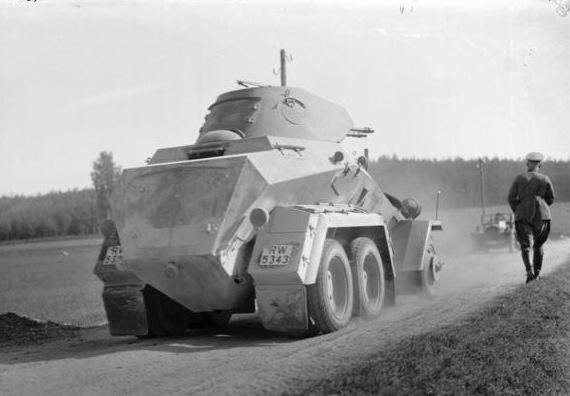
{"type": "Point", "coordinates": [368, 278]}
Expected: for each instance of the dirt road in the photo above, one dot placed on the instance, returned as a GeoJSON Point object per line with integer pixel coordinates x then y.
{"type": "Point", "coordinates": [244, 359]}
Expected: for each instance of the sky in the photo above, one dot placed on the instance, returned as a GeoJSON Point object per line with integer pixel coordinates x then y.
{"type": "Point", "coordinates": [434, 79]}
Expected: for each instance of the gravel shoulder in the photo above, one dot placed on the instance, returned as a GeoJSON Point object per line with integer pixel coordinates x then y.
{"type": "Point", "coordinates": [243, 358]}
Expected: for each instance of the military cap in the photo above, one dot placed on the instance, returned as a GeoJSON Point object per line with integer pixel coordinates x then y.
{"type": "Point", "coordinates": [534, 157]}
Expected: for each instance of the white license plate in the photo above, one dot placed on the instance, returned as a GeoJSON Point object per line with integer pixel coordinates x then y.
{"type": "Point", "coordinates": [114, 256]}
{"type": "Point", "coordinates": [276, 255]}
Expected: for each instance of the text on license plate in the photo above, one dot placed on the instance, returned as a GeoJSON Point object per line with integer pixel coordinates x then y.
{"type": "Point", "coordinates": [114, 255]}
{"type": "Point", "coordinates": [276, 255]}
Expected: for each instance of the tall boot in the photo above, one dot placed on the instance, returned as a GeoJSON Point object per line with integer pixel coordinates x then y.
{"type": "Point", "coordinates": [525, 253]}
{"type": "Point", "coordinates": [537, 262]}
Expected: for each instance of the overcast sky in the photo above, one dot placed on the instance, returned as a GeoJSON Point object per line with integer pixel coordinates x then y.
{"type": "Point", "coordinates": [435, 79]}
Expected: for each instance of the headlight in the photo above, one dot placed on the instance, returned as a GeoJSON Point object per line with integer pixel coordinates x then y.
{"type": "Point", "coordinates": [108, 228]}
{"type": "Point", "coordinates": [259, 217]}
{"type": "Point", "coordinates": [410, 208]}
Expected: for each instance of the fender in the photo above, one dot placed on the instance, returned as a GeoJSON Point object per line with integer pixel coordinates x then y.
{"type": "Point", "coordinates": [122, 292]}
{"type": "Point", "coordinates": [305, 229]}
{"type": "Point", "coordinates": [410, 239]}
{"type": "Point", "coordinates": [287, 255]}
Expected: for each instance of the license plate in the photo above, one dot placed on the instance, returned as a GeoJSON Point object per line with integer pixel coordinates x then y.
{"type": "Point", "coordinates": [276, 255]}
{"type": "Point", "coordinates": [114, 256]}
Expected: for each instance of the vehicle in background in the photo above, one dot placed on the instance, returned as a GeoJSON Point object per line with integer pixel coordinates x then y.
{"type": "Point", "coordinates": [496, 231]}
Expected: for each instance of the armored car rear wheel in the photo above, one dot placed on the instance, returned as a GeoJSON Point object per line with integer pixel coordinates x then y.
{"type": "Point", "coordinates": [330, 299]}
{"type": "Point", "coordinates": [368, 278]}
{"type": "Point", "coordinates": [165, 316]}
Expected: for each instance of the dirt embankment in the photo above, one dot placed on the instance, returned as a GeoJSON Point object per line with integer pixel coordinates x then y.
{"type": "Point", "coordinates": [17, 330]}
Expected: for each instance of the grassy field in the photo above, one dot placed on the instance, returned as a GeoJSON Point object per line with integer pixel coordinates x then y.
{"type": "Point", "coordinates": [52, 281]}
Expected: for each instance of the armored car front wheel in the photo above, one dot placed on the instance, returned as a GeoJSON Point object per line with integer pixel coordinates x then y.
{"type": "Point", "coordinates": [330, 298]}
{"type": "Point", "coordinates": [430, 273]}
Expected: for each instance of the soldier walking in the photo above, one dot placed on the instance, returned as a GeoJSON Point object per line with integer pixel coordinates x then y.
{"type": "Point", "coordinates": [530, 196]}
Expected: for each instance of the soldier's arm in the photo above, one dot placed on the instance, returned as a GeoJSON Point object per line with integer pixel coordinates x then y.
{"type": "Point", "coordinates": [549, 196]}
{"type": "Point", "coordinates": [513, 197]}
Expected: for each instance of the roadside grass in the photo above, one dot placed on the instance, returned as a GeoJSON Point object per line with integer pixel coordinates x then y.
{"type": "Point", "coordinates": [52, 280]}
{"type": "Point", "coordinates": [518, 344]}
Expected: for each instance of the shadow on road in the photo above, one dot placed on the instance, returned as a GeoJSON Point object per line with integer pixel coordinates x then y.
{"type": "Point", "coordinates": [243, 330]}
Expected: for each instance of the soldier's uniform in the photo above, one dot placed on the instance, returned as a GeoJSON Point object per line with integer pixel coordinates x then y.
{"type": "Point", "coordinates": [530, 196]}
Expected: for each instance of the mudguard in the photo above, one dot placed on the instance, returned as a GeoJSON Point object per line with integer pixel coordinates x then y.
{"type": "Point", "coordinates": [287, 254]}
{"type": "Point", "coordinates": [410, 240]}
{"type": "Point", "coordinates": [122, 293]}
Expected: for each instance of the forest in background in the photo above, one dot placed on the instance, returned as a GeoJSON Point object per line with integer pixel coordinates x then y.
{"type": "Point", "coordinates": [79, 212]}
{"type": "Point", "coordinates": [71, 213]}
{"type": "Point", "coordinates": [61, 214]}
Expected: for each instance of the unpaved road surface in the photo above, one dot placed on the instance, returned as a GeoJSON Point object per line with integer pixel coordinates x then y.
{"type": "Point", "coordinates": [244, 359]}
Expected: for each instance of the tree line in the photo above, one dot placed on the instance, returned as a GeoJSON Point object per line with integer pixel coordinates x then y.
{"type": "Point", "coordinates": [79, 212]}
{"type": "Point", "coordinates": [59, 214]}
{"type": "Point", "coordinates": [50, 215]}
